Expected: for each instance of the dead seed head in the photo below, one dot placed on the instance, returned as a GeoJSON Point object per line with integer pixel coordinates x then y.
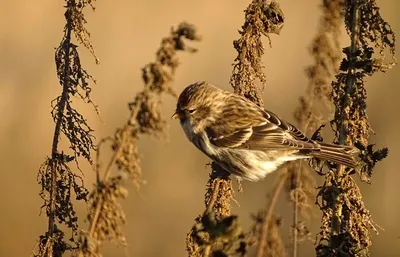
{"type": "Point", "coordinates": [106, 216]}
{"type": "Point", "coordinates": [75, 15]}
{"type": "Point", "coordinates": [362, 60]}
{"type": "Point", "coordinates": [216, 237]}
{"type": "Point", "coordinates": [68, 184]}
{"type": "Point", "coordinates": [274, 245]}
{"type": "Point", "coordinates": [158, 75]}
{"type": "Point", "coordinates": [374, 30]}
{"type": "Point", "coordinates": [315, 108]}
{"type": "Point", "coordinates": [52, 246]}
{"type": "Point", "coordinates": [219, 192]}
{"type": "Point", "coordinates": [149, 119]}
{"type": "Point", "coordinates": [346, 223]}
{"type": "Point", "coordinates": [110, 217]}
{"type": "Point", "coordinates": [128, 161]}
{"type": "Point", "coordinates": [354, 217]}
{"type": "Point", "coordinates": [75, 82]}
{"type": "Point", "coordinates": [58, 183]}
{"type": "Point", "coordinates": [261, 18]}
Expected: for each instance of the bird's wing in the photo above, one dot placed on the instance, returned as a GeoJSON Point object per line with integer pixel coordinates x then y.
{"type": "Point", "coordinates": [259, 131]}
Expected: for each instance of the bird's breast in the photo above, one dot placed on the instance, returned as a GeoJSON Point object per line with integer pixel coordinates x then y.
{"type": "Point", "coordinates": [188, 129]}
{"type": "Point", "coordinates": [199, 139]}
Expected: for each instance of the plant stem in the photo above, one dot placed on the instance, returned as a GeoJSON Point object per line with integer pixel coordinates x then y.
{"type": "Point", "coordinates": [296, 210]}
{"type": "Point", "coordinates": [117, 153]}
{"type": "Point", "coordinates": [262, 241]}
{"type": "Point", "coordinates": [343, 135]}
{"type": "Point", "coordinates": [350, 81]}
{"type": "Point", "coordinates": [57, 131]}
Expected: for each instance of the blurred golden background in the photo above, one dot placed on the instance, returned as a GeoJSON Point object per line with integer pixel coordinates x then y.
{"type": "Point", "coordinates": [126, 35]}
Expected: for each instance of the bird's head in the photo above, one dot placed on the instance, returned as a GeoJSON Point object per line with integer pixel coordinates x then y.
{"type": "Point", "coordinates": [197, 106]}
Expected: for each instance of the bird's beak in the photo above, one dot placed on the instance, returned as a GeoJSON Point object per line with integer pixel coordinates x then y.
{"type": "Point", "coordinates": [175, 115]}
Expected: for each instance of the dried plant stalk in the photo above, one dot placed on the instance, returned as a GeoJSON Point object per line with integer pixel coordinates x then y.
{"type": "Point", "coordinates": [59, 183]}
{"type": "Point", "coordinates": [266, 229]}
{"type": "Point", "coordinates": [273, 245]}
{"type": "Point", "coordinates": [315, 108]}
{"type": "Point", "coordinates": [106, 217]}
{"type": "Point", "coordinates": [261, 18]}
{"type": "Point", "coordinates": [346, 222]}
{"type": "Point", "coordinates": [212, 233]}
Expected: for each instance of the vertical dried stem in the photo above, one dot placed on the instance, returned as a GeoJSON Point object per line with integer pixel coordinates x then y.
{"type": "Point", "coordinates": [261, 18]}
{"type": "Point", "coordinates": [344, 137]}
{"type": "Point", "coordinates": [57, 129]}
{"type": "Point", "coordinates": [314, 109]}
{"type": "Point", "coordinates": [106, 216]}
{"type": "Point", "coordinates": [295, 216]}
{"type": "Point", "coordinates": [346, 222]}
{"type": "Point", "coordinates": [265, 230]}
{"type": "Point", "coordinates": [58, 182]}
{"type": "Point", "coordinates": [116, 155]}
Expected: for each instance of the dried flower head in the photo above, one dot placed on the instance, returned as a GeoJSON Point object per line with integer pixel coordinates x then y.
{"type": "Point", "coordinates": [261, 18]}
{"type": "Point", "coordinates": [58, 183]}
{"type": "Point", "coordinates": [346, 223]}
{"type": "Point", "coordinates": [315, 108]}
{"type": "Point", "coordinates": [216, 237]}
{"type": "Point", "coordinates": [106, 216]}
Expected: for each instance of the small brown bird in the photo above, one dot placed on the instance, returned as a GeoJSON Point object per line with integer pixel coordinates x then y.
{"type": "Point", "coordinates": [245, 139]}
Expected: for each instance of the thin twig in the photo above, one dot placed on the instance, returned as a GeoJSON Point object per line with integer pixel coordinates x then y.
{"type": "Point", "coordinates": [268, 214]}
{"type": "Point", "coordinates": [98, 166]}
{"type": "Point", "coordinates": [304, 127]}
{"type": "Point", "coordinates": [296, 211]}
{"type": "Point", "coordinates": [114, 157]}
{"type": "Point", "coordinates": [57, 129]}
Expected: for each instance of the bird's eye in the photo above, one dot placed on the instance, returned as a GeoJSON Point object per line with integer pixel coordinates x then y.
{"type": "Point", "coordinates": [191, 111]}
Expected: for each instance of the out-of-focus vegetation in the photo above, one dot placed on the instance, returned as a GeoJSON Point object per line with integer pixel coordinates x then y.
{"type": "Point", "coordinates": [160, 211]}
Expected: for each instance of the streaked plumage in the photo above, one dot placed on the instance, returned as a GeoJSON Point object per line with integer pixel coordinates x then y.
{"type": "Point", "coordinates": [245, 139]}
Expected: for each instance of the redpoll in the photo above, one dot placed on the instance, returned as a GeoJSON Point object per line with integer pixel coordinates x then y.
{"type": "Point", "coordinates": [245, 139]}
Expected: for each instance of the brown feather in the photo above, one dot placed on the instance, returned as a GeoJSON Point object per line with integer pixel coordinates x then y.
{"type": "Point", "coordinates": [345, 155]}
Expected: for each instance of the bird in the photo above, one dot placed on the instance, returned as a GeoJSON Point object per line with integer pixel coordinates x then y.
{"type": "Point", "coordinates": [245, 139]}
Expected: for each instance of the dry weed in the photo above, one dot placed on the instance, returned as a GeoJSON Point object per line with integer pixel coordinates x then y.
{"type": "Point", "coordinates": [261, 18]}
{"type": "Point", "coordinates": [315, 108]}
{"type": "Point", "coordinates": [59, 184]}
{"type": "Point", "coordinates": [106, 217]}
{"type": "Point", "coordinates": [346, 222]}
{"type": "Point", "coordinates": [273, 244]}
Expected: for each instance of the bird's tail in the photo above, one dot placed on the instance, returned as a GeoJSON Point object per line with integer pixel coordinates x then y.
{"type": "Point", "coordinates": [340, 154]}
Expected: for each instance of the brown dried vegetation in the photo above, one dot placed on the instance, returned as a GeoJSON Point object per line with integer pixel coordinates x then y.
{"type": "Point", "coordinates": [315, 109]}
{"type": "Point", "coordinates": [105, 216]}
{"type": "Point", "coordinates": [261, 18]}
{"type": "Point", "coordinates": [59, 182]}
{"type": "Point", "coordinates": [346, 222]}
